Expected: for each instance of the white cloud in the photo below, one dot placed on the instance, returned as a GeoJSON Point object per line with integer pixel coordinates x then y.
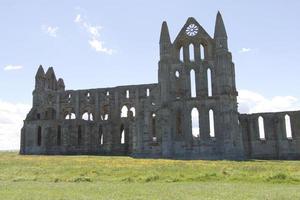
{"type": "Point", "coordinates": [245, 50]}
{"type": "Point", "coordinates": [11, 121]}
{"type": "Point", "coordinates": [94, 30]}
{"type": "Point", "coordinates": [12, 67]}
{"type": "Point", "coordinates": [50, 30]}
{"type": "Point", "coordinates": [77, 18]}
{"type": "Point", "coordinates": [98, 46]}
{"type": "Point", "coordinates": [252, 102]}
{"type": "Point", "coordinates": [94, 35]}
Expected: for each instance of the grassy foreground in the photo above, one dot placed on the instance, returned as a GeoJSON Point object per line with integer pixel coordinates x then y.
{"type": "Point", "coordinates": [97, 177]}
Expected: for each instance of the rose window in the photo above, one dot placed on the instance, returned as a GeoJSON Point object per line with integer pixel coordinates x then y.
{"type": "Point", "coordinates": [192, 30]}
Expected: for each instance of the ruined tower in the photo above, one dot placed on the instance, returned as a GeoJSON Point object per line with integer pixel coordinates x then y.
{"type": "Point", "coordinates": [196, 72]}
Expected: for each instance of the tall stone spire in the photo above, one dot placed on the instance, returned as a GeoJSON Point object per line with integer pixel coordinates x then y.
{"type": "Point", "coordinates": [40, 72]}
{"type": "Point", "coordinates": [50, 73]}
{"type": "Point", "coordinates": [165, 41]}
{"type": "Point", "coordinates": [51, 82]}
{"type": "Point", "coordinates": [220, 33]}
{"type": "Point", "coordinates": [164, 34]}
{"type": "Point", "coordinates": [60, 84]}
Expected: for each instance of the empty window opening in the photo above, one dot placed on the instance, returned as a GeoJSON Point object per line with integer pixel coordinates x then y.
{"type": "Point", "coordinates": [195, 123]}
{"type": "Point", "coordinates": [88, 96]}
{"type": "Point", "coordinates": [79, 136]}
{"type": "Point", "coordinates": [202, 52]}
{"type": "Point", "coordinates": [72, 116]}
{"type": "Point", "coordinates": [132, 110]}
{"type": "Point", "coordinates": [69, 98]}
{"type": "Point", "coordinates": [88, 116]}
{"type": "Point", "coordinates": [181, 54]}
{"type": "Point", "coordinates": [211, 123]}
{"type": "Point", "coordinates": [177, 74]}
{"type": "Point", "coordinates": [100, 135]}
{"type": "Point", "coordinates": [85, 116]}
{"type": "Point", "coordinates": [178, 123]}
{"type": "Point", "coordinates": [104, 117]}
{"type": "Point", "coordinates": [38, 116]}
{"type": "Point", "coordinates": [127, 94]}
{"type": "Point", "coordinates": [124, 111]}
{"type": "Point", "coordinates": [288, 127]}
{"type": "Point", "coordinates": [209, 83]}
{"type": "Point", "coordinates": [39, 136]}
{"type": "Point", "coordinates": [192, 52]}
{"type": "Point", "coordinates": [193, 83]}
{"type": "Point", "coordinates": [122, 131]}
{"type": "Point", "coordinates": [148, 92]}
{"type": "Point", "coordinates": [261, 127]}
{"type": "Point", "coordinates": [154, 138]}
{"type": "Point", "coordinates": [59, 135]}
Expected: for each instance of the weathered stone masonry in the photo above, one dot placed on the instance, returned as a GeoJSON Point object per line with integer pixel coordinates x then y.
{"type": "Point", "coordinates": [195, 74]}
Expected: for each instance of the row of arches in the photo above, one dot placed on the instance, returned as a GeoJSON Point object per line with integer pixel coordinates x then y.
{"type": "Point", "coordinates": [193, 83]}
{"type": "Point", "coordinates": [88, 97]}
{"type": "Point", "coordinates": [288, 127]}
{"type": "Point", "coordinates": [195, 119]}
{"type": "Point", "coordinates": [88, 116]}
{"type": "Point", "coordinates": [194, 52]}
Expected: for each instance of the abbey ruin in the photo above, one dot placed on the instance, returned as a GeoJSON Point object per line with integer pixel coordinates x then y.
{"type": "Point", "coordinates": [191, 113]}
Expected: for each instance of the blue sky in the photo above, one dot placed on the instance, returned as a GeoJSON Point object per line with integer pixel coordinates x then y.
{"type": "Point", "coordinates": [116, 43]}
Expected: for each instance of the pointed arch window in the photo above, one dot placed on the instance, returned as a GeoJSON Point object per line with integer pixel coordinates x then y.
{"type": "Point", "coordinates": [88, 97]}
{"type": "Point", "coordinates": [211, 123]}
{"type": "Point", "coordinates": [124, 111]}
{"type": "Point", "coordinates": [202, 52]}
{"type": "Point", "coordinates": [195, 123]}
{"type": "Point", "coordinates": [288, 127]}
{"type": "Point", "coordinates": [122, 134]}
{"type": "Point", "coordinates": [87, 116]}
{"type": "Point", "coordinates": [69, 98]}
{"type": "Point", "coordinates": [101, 134]}
{"type": "Point", "coordinates": [209, 82]}
{"type": "Point", "coordinates": [261, 128]}
{"type": "Point", "coordinates": [153, 123]}
{"type": "Point", "coordinates": [193, 83]}
{"type": "Point", "coordinates": [181, 57]}
{"type": "Point", "coordinates": [192, 52]}
{"type": "Point", "coordinates": [132, 110]}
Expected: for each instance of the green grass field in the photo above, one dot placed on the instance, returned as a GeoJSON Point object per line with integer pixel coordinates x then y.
{"type": "Point", "coordinates": [98, 177]}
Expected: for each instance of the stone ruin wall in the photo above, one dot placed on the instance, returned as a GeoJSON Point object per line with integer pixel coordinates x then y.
{"type": "Point", "coordinates": [101, 109]}
{"type": "Point", "coordinates": [275, 143]}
